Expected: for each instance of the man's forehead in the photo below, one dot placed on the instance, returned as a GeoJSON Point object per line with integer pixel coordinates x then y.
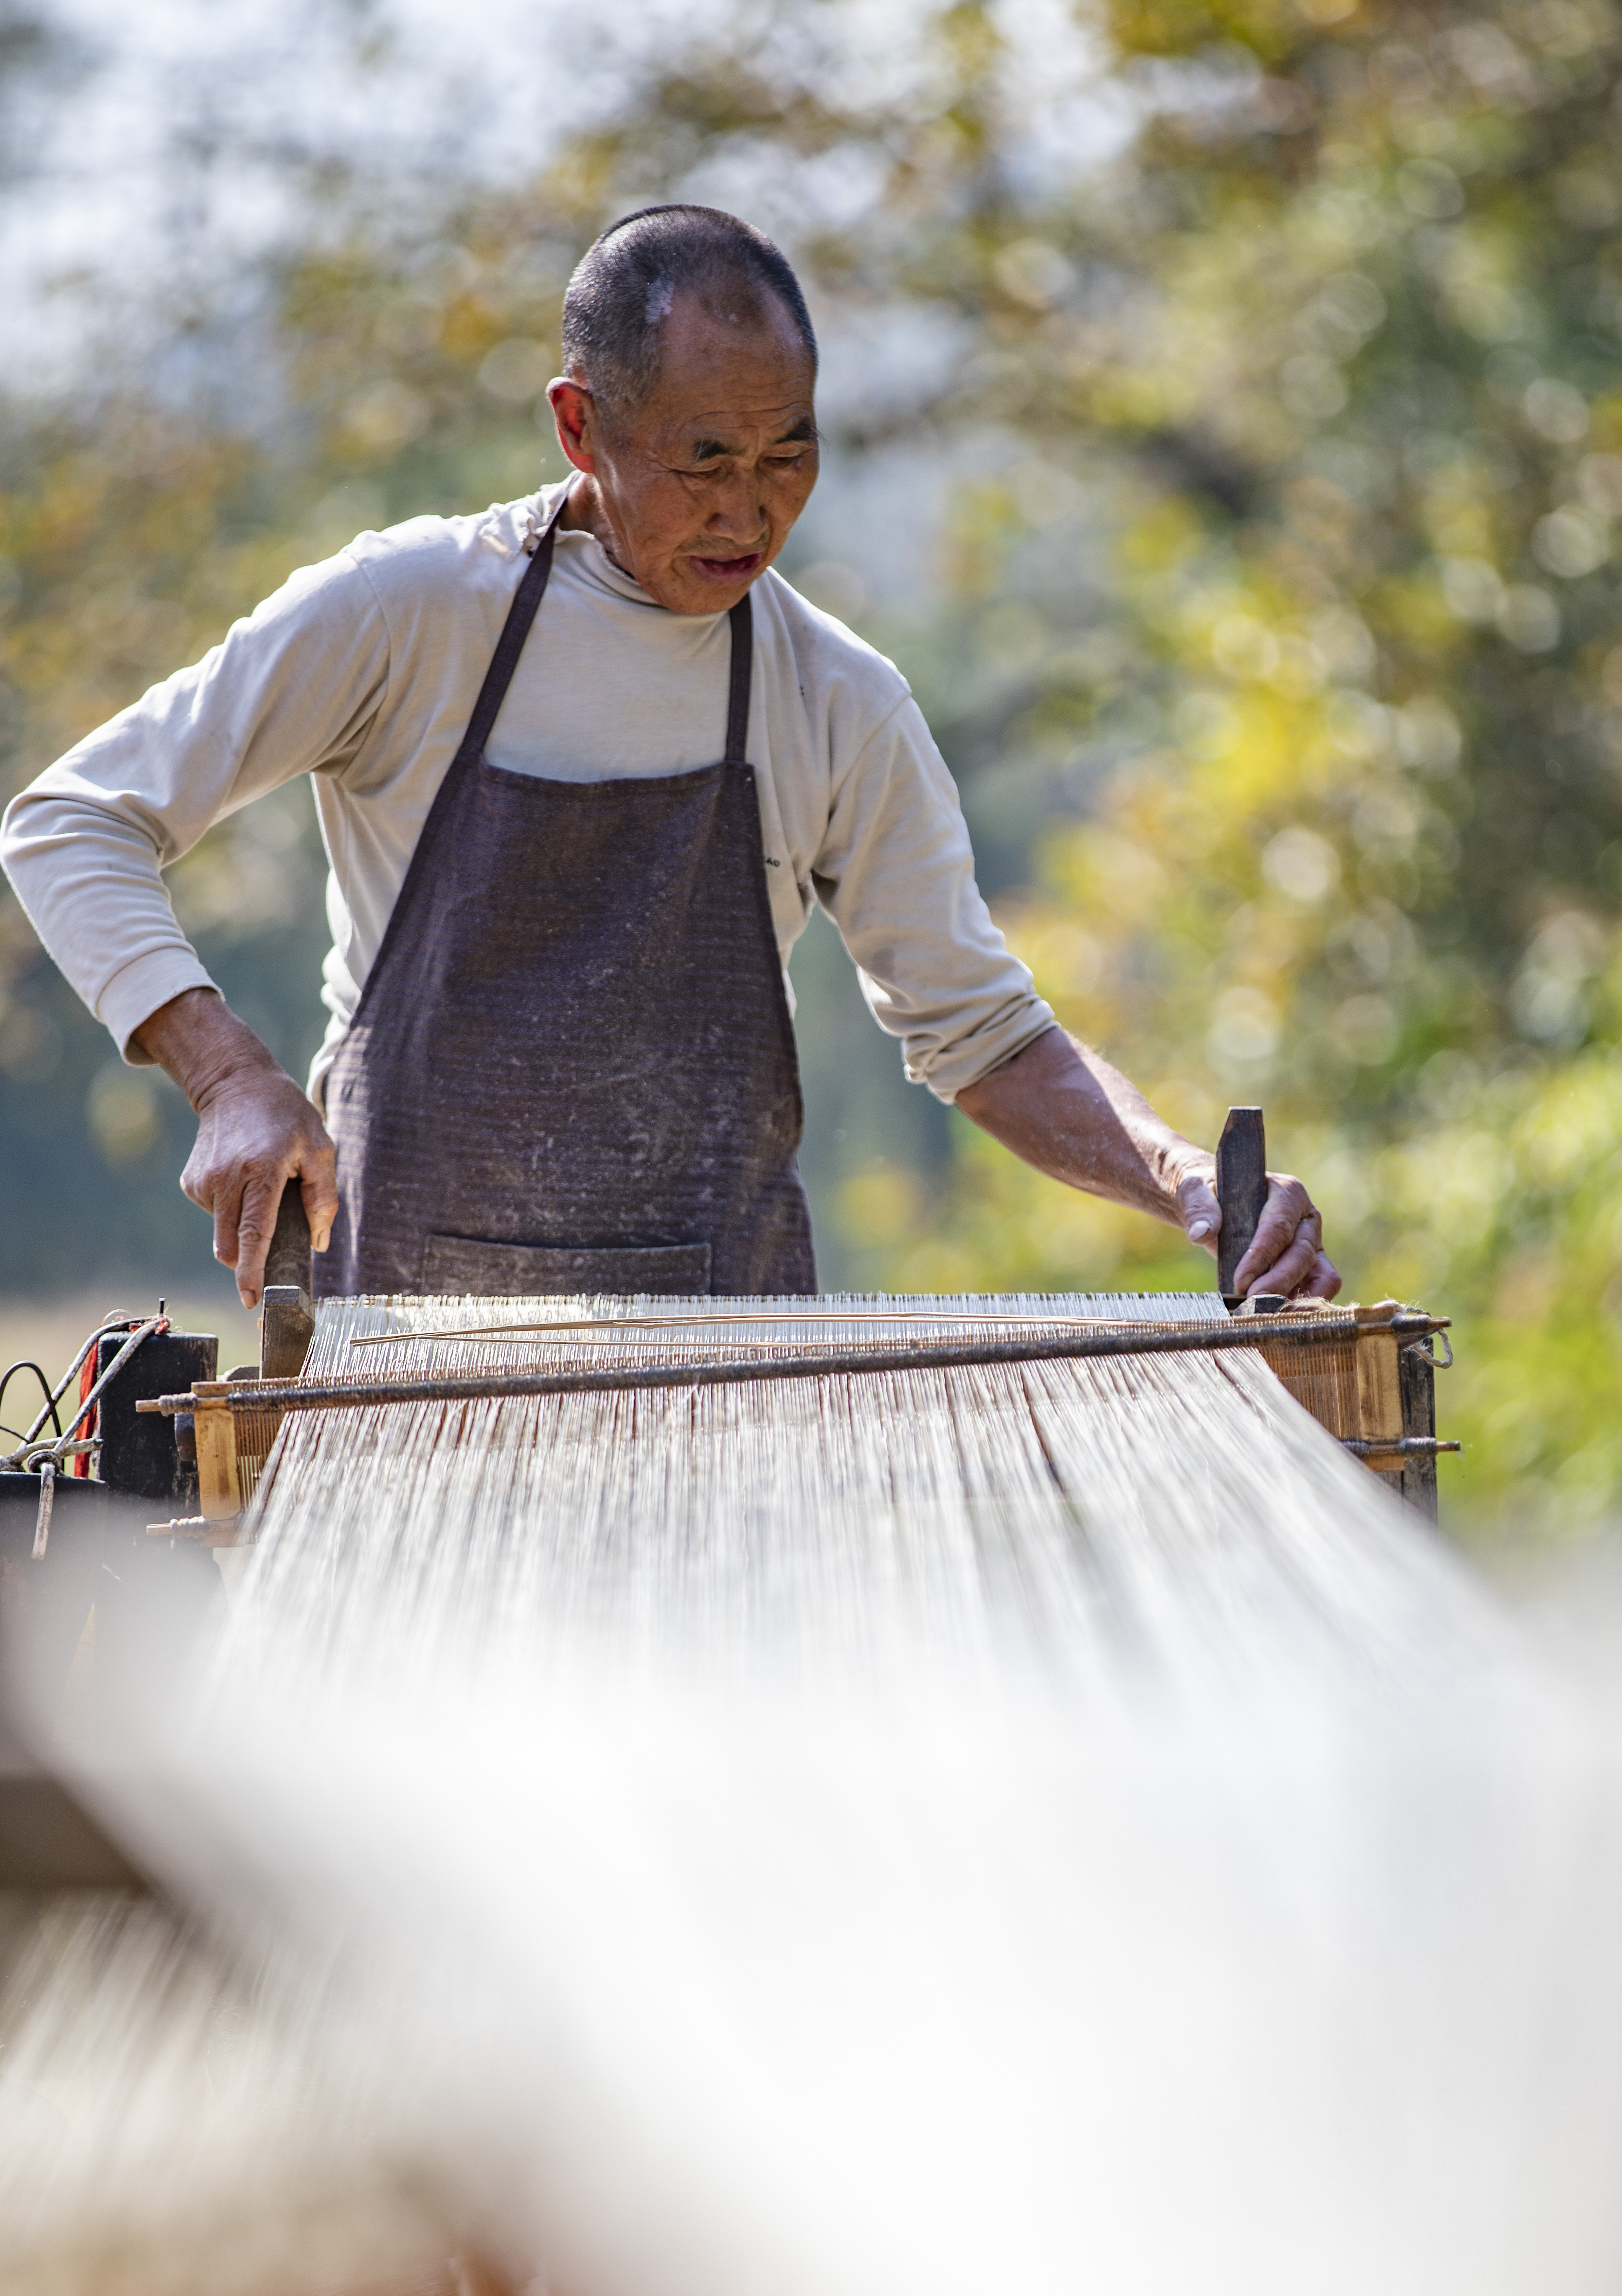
{"type": "Point", "coordinates": [744, 412]}
{"type": "Point", "coordinates": [717, 371]}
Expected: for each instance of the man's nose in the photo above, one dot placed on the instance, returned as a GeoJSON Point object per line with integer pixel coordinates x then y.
{"type": "Point", "coordinates": [738, 514]}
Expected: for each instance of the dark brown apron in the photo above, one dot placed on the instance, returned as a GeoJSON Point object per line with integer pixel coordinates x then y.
{"type": "Point", "coordinates": [572, 1067]}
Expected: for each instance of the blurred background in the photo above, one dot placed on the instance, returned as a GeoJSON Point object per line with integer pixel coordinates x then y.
{"type": "Point", "coordinates": [1225, 437]}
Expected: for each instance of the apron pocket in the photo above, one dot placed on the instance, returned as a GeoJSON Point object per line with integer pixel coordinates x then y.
{"type": "Point", "coordinates": [465, 1264]}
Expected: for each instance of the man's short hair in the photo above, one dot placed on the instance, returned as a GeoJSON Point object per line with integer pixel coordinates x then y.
{"type": "Point", "coordinates": [625, 284]}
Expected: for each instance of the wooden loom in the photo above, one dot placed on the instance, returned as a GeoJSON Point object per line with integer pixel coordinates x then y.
{"type": "Point", "coordinates": [1365, 1373]}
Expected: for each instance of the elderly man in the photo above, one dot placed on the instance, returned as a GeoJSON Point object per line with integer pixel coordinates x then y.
{"type": "Point", "coordinates": [583, 765]}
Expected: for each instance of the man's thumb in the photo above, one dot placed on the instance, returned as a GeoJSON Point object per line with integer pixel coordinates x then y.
{"type": "Point", "coordinates": [1203, 1217]}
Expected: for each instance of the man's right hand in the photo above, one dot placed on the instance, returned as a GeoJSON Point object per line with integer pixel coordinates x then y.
{"type": "Point", "coordinates": [256, 1131]}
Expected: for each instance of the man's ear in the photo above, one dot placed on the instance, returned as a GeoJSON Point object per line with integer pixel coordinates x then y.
{"type": "Point", "coordinates": [574, 415]}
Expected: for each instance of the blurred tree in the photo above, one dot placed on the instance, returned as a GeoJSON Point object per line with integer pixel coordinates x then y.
{"type": "Point", "coordinates": [1223, 434]}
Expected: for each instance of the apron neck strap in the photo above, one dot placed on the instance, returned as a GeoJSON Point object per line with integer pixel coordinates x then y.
{"type": "Point", "coordinates": [515, 629]}
{"type": "Point", "coordinates": [742, 621]}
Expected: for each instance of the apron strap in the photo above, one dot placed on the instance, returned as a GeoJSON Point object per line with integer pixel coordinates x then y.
{"type": "Point", "coordinates": [515, 629]}
{"type": "Point", "coordinates": [742, 621]}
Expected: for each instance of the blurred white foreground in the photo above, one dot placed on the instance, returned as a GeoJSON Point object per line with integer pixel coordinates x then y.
{"type": "Point", "coordinates": [1055, 1829]}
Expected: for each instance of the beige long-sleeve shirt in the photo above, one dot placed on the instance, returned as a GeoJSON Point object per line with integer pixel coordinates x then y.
{"type": "Point", "coordinates": [363, 673]}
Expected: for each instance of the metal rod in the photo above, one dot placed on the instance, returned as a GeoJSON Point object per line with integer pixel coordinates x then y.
{"type": "Point", "coordinates": [108, 1323]}
{"type": "Point", "coordinates": [1148, 1338]}
{"type": "Point", "coordinates": [42, 1523]}
{"type": "Point", "coordinates": [617, 1336]}
{"type": "Point", "coordinates": [608, 1325]}
{"type": "Point", "coordinates": [1397, 1447]}
{"type": "Point", "coordinates": [153, 1324]}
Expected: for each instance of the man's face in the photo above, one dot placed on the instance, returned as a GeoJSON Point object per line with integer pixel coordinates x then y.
{"type": "Point", "coordinates": [694, 492]}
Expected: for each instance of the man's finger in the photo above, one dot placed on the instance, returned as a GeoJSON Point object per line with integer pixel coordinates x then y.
{"type": "Point", "coordinates": [1289, 1211]}
{"type": "Point", "coordinates": [198, 1182]}
{"type": "Point", "coordinates": [256, 1225]}
{"type": "Point", "coordinates": [1201, 1214]}
{"type": "Point", "coordinates": [319, 1186]}
{"type": "Point", "coordinates": [1283, 1271]}
{"type": "Point", "coordinates": [1324, 1281]}
{"type": "Point", "coordinates": [1291, 1271]}
{"type": "Point", "coordinates": [225, 1200]}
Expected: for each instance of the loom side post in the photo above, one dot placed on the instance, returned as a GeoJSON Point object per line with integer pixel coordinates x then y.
{"type": "Point", "coordinates": [1380, 1393]}
{"type": "Point", "coordinates": [1416, 1376]}
{"type": "Point", "coordinates": [217, 1486]}
{"type": "Point", "coordinates": [1387, 1397]}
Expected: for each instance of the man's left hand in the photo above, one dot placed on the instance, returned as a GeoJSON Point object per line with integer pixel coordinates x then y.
{"type": "Point", "coordinates": [1287, 1251]}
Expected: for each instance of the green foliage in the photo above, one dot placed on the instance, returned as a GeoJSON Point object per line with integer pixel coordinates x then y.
{"type": "Point", "coordinates": [1368, 869]}
{"type": "Point", "coordinates": [1269, 620]}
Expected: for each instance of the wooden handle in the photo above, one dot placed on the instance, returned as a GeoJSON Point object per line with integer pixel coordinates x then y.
{"type": "Point", "coordinates": [1242, 1191]}
{"type": "Point", "coordinates": [287, 1318]}
{"type": "Point", "coordinates": [289, 1259]}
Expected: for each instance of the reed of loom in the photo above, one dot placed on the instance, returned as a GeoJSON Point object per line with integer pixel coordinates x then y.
{"type": "Point", "coordinates": [1365, 1373]}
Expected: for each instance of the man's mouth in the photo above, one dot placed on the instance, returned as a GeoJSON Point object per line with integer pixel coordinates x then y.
{"type": "Point", "coordinates": [728, 570]}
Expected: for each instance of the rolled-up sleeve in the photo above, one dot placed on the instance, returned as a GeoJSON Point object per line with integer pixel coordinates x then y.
{"type": "Point", "coordinates": [896, 873]}
{"type": "Point", "coordinates": [290, 690]}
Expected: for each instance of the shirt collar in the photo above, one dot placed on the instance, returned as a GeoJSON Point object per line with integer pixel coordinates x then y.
{"type": "Point", "coordinates": [591, 562]}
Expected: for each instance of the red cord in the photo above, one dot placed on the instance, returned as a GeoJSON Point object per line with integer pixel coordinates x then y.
{"type": "Point", "coordinates": [86, 1380]}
